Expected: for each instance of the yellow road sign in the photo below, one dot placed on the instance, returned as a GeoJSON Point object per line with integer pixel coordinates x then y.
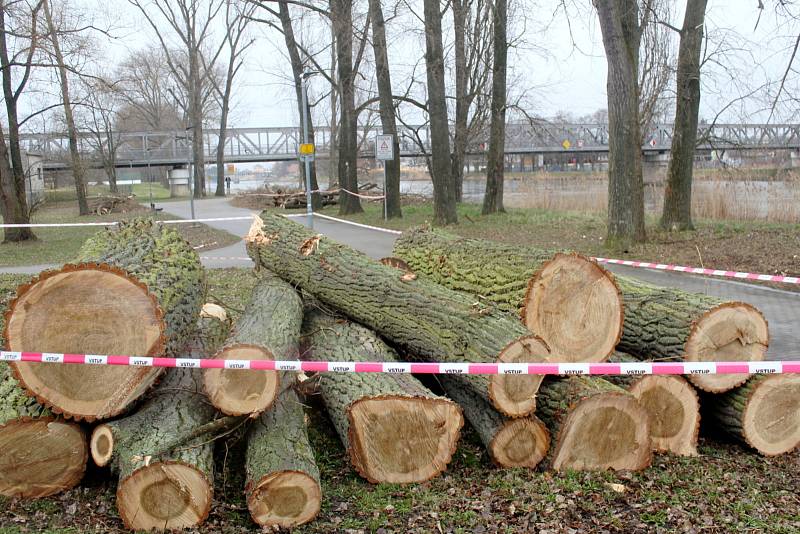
{"type": "Point", "coordinates": [306, 149]}
{"type": "Point", "coordinates": [566, 144]}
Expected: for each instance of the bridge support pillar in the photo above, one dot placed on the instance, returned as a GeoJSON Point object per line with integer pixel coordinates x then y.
{"type": "Point", "coordinates": [794, 158]}
{"type": "Point", "coordinates": [654, 167]}
{"type": "Point", "coordinates": [179, 183]}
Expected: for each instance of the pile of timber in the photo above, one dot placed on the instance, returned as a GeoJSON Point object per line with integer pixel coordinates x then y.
{"type": "Point", "coordinates": [138, 290]}
{"type": "Point", "coordinates": [103, 205]}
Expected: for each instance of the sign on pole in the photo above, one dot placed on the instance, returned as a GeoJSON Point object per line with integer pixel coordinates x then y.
{"type": "Point", "coordinates": [384, 147]}
{"type": "Point", "coordinates": [306, 152]}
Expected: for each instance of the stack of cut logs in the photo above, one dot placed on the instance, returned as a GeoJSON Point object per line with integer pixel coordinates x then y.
{"type": "Point", "coordinates": [139, 290]}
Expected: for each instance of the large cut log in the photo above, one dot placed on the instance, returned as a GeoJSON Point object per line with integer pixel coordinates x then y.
{"type": "Point", "coordinates": [594, 424]}
{"type": "Point", "coordinates": [282, 487]}
{"type": "Point", "coordinates": [41, 454]}
{"type": "Point", "coordinates": [519, 442]}
{"type": "Point", "coordinates": [425, 320]}
{"type": "Point", "coordinates": [671, 404]}
{"type": "Point", "coordinates": [135, 290]}
{"type": "Point", "coordinates": [394, 428]}
{"type": "Point", "coordinates": [161, 452]}
{"type": "Point", "coordinates": [567, 299]}
{"type": "Point", "coordinates": [670, 324]}
{"type": "Point", "coordinates": [763, 413]}
{"type": "Point", "coordinates": [268, 329]}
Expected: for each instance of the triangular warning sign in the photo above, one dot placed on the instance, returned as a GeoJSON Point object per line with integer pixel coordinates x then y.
{"type": "Point", "coordinates": [384, 146]}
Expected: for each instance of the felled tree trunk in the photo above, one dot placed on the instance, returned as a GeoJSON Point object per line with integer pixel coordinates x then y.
{"type": "Point", "coordinates": [567, 299]}
{"type": "Point", "coordinates": [763, 413]}
{"type": "Point", "coordinates": [595, 425]}
{"type": "Point", "coordinates": [426, 320]}
{"type": "Point", "coordinates": [135, 290]}
{"type": "Point", "coordinates": [268, 329]}
{"type": "Point", "coordinates": [394, 429]}
{"type": "Point", "coordinates": [671, 404]}
{"type": "Point", "coordinates": [282, 485]}
{"type": "Point", "coordinates": [41, 454]}
{"type": "Point", "coordinates": [670, 324]}
{"type": "Point", "coordinates": [520, 442]}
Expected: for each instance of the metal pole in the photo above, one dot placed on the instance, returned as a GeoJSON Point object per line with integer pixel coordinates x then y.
{"type": "Point", "coordinates": [191, 183]}
{"type": "Point", "coordinates": [385, 206]}
{"type": "Point", "coordinates": [309, 208]}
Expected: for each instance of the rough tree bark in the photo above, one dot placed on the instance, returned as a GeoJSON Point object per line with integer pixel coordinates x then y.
{"type": "Point", "coordinates": [570, 301]}
{"type": "Point", "coordinates": [619, 23]}
{"type": "Point", "coordinates": [595, 425]}
{"type": "Point", "coordinates": [520, 442]}
{"type": "Point", "coordinates": [386, 103]}
{"type": "Point", "coordinates": [135, 290]}
{"type": "Point", "coordinates": [269, 329]}
{"type": "Point", "coordinates": [493, 198]}
{"type": "Point", "coordinates": [342, 20]}
{"type": "Point", "coordinates": [444, 202]}
{"type": "Point", "coordinates": [282, 486]}
{"type": "Point", "coordinates": [426, 320]}
{"type": "Point", "coordinates": [42, 455]}
{"type": "Point", "coordinates": [394, 429]}
{"type": "Point", "coordinates": [460, 10]}
{"type": "Point", "coordinates": [677, 213]}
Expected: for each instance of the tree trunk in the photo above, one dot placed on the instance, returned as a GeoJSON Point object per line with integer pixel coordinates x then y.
{"type": "Point", "coordinates": [386, 101]}
{"type": "Point", "coordinates": [460, 10]}
{"type": "Point", "coordinates": [493, 198]}
{"type": "Point", "coordinates": [665, 323]}
{"type": "Point", "coordinates": [161, 488]}
{"type": "Point", "coordinates": [42, 455]}
{"type": "Point", "coordinates": [135, 290]}
{"type": "Point", "coordinates": [394, 429]}
{"type": "Point", "coordinates": [268, 330]}
{"type": "Point", "coordinates": [342, 17]}
{"type": "Point", "coordinates": [520, 442]}
{"type": "Point", "coordinates": [429, 321]}
{"type": "Point", "coordinates": [297, 75]}
{"type": "Point", "coordinates": [619, 23]}
{"type": "Point", "coordinates": [12, 172]}
{"type": "Point", "coordinates": [570, 301]}
{"type": "Point", "coordinates": [196, 117]}
{"type": "Point", "coordinates": [595, 425]}
{"type": "Point", "coordinates": [78, 170]}
{"type": "Point", "coordinates": [763, 413]}
{"type": "Point", "coordinates": [671, 404]}
{"type": "Point", "coordinates": [677, 214]}
{"type": "Point", "coordinates": [223, 124]}
{"type": "Point", "coordinates": [282, 488]}
{"type": "Point", "coordinates": [444, 204]}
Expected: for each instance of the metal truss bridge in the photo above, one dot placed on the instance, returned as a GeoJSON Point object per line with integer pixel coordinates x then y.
{"type": "Point", "coordinates": [172, 148]}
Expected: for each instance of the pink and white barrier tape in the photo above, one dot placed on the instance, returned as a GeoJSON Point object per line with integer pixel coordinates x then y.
{"type": "Point", "coordinates": [351, 223]}
{"type": "Point", "coordinates": [627, 368]}
{"type": "Point", "coordinates": [114, 223]}
{"type": "Point", "coordinates": [700, 270]}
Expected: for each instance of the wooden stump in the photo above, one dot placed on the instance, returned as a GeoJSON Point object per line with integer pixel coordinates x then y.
{"type": "Point", "coordinates": [669, 324]}
{"type": "Point", "coordinates": [763, 413]}
{"type": "Point", "coordinates": [425, 320]}
{"type": "Point", "coordinates": [282, 486]}
{"type": "Point", "coordinates": [671, 404]}
{"type": "Point", "coordinates": [595, 425]}
{"type": "Point", "coordinates": [41, 454]}
{"type": "Point", "coordinates": [394, 429]}
{"type": "Point", "coordinates": [268, 330]}
{"type": "Point", "coordinates": [567, 299]}
{"type": "Point", "coordinates": [135, 290]}
{"type": "Point", "coordinates": [520, 442]}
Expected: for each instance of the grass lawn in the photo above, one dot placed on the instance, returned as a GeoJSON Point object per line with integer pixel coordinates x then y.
{"type": "Point", "coordinates": [726, 489]}
{"type": "Point", "coordinates": [141, 191]}
{"type": "Point", "coordinates": [58, 245]}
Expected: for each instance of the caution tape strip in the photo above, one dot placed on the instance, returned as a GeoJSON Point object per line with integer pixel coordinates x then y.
{"type": "Point", "coordinates": [626, 368]}
{"type": "Point", "coordinates": [351, 223]}
{"type": "Point", "coordinates": [114, 223]}
{"type": "Point", "coordinates": [701, 270]}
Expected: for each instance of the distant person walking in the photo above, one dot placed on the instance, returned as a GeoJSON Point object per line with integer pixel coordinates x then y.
{"type": "Point", "coordinates": [228, 184]}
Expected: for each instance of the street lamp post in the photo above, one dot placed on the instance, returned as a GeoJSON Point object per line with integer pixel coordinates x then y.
{"type": "Point", "coordinates": [307, 157]}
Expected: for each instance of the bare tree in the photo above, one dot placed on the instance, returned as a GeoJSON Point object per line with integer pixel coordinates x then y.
{"type": "Point", "coordinates": [493, 198]}
{"type": "Point", "coordinates": [677, 212]}
{"type": "Point", "coordinates": [622, 32]}
{"type": "Point", "coordinates": [656, 64]}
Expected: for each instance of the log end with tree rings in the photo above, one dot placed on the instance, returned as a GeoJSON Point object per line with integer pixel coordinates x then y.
{"type": "Point", "coordinates": [674, 412]}
{"type": "Point", "coordinates": [521, 442]}
{"type": "Point", "coordinates": [605, 431]}
{"type": "Point", "coordinates": [85, 309]}
{"type": "Point", "coordinates": [40, 457]}
{"type": "Point", "coordinates": [574, 304]}
{"type": "Point", "coordinates": [731, 331]}
{"type": "Point", "coordinates": [285, 499]}
{"type": "Point", "coordinates": [401, 439]}
{"type": "Point", "coordinates": [164, 496]}
{"type": "Point", "coordinates": [101, 445]}
{"type": "Point", "coordinates": [241, 391]}
{"type": "Point", "coordinates": [515, 395]}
